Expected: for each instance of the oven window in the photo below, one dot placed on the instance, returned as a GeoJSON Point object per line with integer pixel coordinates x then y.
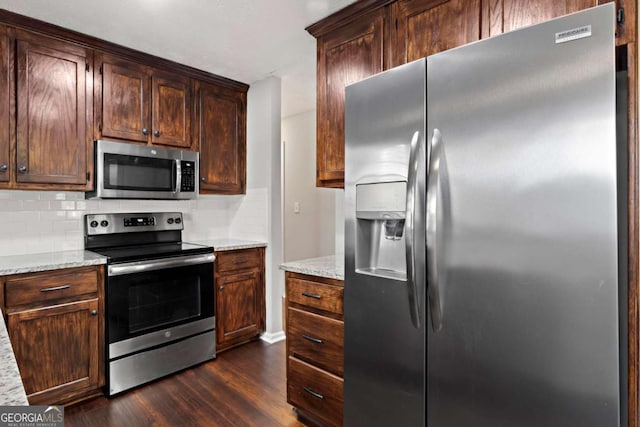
{"type": "Point", "coordinates": [138, 173]}
{"type": "Point", "coordinates": [145, 302]}
{"type": "Point", "coordinates": [152, 304]}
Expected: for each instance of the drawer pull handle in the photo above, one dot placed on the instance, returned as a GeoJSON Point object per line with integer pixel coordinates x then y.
{"type": "Point", "coordinates": [315, 340]}
{"type": "Point", "coordinates": [241, 261]}
{"type": "Point", "coordinates": [55, 288]}
{"type": "Point", "coordinates": [313, 393]}
{"type": "Point", "coordinates": [308, 295]}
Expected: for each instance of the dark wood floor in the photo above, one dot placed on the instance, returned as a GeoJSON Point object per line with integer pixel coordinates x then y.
{"type": "Point", "coordinates": [245, 386]}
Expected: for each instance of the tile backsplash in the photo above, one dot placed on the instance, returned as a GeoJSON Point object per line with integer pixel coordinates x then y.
{"type": "Point", "coordinates": [45, 221]}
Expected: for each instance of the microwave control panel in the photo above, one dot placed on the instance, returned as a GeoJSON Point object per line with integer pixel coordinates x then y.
{"type": "Point", "coordinates": [188, 172]}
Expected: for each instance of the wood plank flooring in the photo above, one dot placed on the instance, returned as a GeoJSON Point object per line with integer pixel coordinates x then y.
{"type": "Point", "coordinates": [245, 386]}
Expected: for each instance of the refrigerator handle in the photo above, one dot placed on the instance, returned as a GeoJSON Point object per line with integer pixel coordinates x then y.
{"type": "Point", "coordinates": [432, 204]}
{"type": "Point", "coordinates": [412, 190]}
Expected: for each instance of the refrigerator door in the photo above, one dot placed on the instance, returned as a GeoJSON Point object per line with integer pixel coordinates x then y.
{"type": "Point", "coordinates": [524, 133]}
{"type": "Point", "coordinates": [384, 292]}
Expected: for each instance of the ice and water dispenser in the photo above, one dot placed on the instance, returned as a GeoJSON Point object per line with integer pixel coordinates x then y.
{"type": "Point", "coordinates": [380, 216]}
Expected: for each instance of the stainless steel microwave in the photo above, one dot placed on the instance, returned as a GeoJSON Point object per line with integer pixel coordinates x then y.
{"type": "Point", "coordinates": [130, 171]}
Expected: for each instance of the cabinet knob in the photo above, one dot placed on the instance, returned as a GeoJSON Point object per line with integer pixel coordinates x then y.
{"type": "Point", "coordinates": [145, 131]}
{"type": "Point", "coordinates": [3, 167]}
{"type": "Point", "coordinates": [22, 169]}
{"type": "Point", "coordinates": [156, 133]}
{"type": "Point", "coordinates": [203, 179]}
{"type": "Point", "coordinates": [221, 287]}
{"type": "Point", "coordinates": [94, 312]}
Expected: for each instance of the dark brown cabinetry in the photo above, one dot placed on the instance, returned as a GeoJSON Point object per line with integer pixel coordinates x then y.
{"type": "Point", "coordinates": [371, 35]}
{"type": "Point", "coordinates": [425, 27]}
{"type": "Point", "coordinates": [60, 90]}
{"type": "Point", "coordinates": [221, 122]}
{"type": "Point", "coordinates": [315, 347]}
{"type": "Point", "coordinates": [139, 103]}
{"type": "Point", "coordinates": [501, 16]}
{"type": "Point", "coordinates": [5, 91]}
{"type": "Point", "coordinates": [52, 130]}
{"type": "Point", "coordinates": [344, 57]}
{"type": "Point", "coordinates": [54, 320]}
{"type": "Point", "coordinates": [240, 296]}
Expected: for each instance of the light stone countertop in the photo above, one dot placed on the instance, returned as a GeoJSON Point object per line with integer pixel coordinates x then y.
{"type": "Point", "coordinates": [230, 244]}
{"type": "Point", "coordinates": [11, 388]}
{"type": "Point", "coordinates": [31, 263]}
{"type": "Point", "coordinates": [327, 266]}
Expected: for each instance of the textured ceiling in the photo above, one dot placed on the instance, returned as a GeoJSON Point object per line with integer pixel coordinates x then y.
{"type": "Point", "coordinates": [245, 40]}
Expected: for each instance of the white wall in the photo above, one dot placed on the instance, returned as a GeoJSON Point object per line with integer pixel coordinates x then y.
{"type": "Point", "coordinates": [264, 184]}
{"type": "Point", "coordinates": [310, 232]}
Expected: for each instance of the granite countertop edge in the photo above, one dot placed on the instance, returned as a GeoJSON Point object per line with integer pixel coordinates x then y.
{"type": "Point", "coordinates": [331, 267]}
{"type": "Point", "coordinates": [32, 263]}
{"type": "Point", "coordinates": [11, 388]}
{"type": "Point", "coordinates": [230, 244]}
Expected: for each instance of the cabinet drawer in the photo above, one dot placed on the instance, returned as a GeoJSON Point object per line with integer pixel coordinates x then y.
{"type": "Point", "coordinates": [50, 286]}
{"type": "Point", "coordinates": [316, 339]}
{"type": "Point", "coordinates": [315, 295]}
{"type": "Point", "coordinates": [315, 391]}
{"type": "Point", "coordinates": [237, 260]}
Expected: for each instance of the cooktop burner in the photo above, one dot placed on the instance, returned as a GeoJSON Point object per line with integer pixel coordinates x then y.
{"type": "Point", "coordinates": [153, 251]}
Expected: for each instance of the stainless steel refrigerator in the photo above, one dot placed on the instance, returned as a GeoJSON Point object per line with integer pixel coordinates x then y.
{"type": "Point", "coordinates": [485, 235]}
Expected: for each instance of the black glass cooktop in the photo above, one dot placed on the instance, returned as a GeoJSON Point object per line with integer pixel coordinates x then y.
{"type": "Point", "coordinates": [151, 251]}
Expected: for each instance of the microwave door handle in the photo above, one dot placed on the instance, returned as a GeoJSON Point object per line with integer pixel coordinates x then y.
{"type": "Point", "coordinates": [178, 180]}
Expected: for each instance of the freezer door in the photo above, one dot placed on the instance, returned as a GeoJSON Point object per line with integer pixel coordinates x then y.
{"type": "Point", "coordinates": [384, 290]}
{"type": "Point", "coordinates": [525, 228]}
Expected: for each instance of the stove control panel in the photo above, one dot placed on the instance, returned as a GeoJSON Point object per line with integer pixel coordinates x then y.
{"type": "Point", "coordinates": [113, 223]}
{"type": "Point", "coordinates": [139, 221]}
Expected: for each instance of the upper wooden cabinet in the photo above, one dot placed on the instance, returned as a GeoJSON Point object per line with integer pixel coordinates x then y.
{"type": "Point", "coordinates": [52, 124]}
{"type": "Point", "coordinates": [501, 16]}
{"type": "Point", "coordinates": [372, 35]}
{"type": "Point", "coordinates": [140, 103]}
{"type": "Point", "coordinates": [345, 56]}
{"type": "Point", "coordinates": [171, 113]}
{"type": "Point", "coordinates": [5, 99]}
{"type": "Point", "coordinates": [425, 27]}
{"type": "Point", "coordinates": [221, 122]}
{"type": "Point", "coordinates": [60, 90]}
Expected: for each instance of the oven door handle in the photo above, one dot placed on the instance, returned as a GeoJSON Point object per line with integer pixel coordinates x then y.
{"type": "Point", "coordinates": [158, 264]}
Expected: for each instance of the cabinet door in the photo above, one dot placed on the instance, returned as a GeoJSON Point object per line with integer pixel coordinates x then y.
{"type": "Point", "coordinates": [238, 314]}
{"type": "Point", "coordinates": [52, 92]}
{"type": "Point", "coordinates": [500, 16]}
{"type": "Point", "coordinates": [345, 56]}
{"type": "Point", "coordinates": [125, 100]}
{"type": "Point", "coordinates": [56, 349]}
{"type": "Point", "coordinates": [425, 27]}
{"type": "Point", "coordinates": [221, 129]}
{"type": "Point", "coordinates": [171, 113]}
{"type": "Point", "coordinates": [5, 124]}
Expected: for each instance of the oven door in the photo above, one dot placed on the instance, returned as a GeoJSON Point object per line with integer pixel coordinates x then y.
{"type": "Point", "coordinates": [154, 302]}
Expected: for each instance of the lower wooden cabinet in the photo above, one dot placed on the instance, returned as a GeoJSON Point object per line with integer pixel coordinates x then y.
{"type": "Point", "coordinates": [315, 347]}
{"type": "Point", "coordinates": [240, 296]}
{"type": "Point", "coordinates": [55, 324]}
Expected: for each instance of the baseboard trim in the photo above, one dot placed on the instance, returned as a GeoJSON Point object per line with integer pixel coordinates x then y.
{"type": "Point", "coordinates": [272, 338]}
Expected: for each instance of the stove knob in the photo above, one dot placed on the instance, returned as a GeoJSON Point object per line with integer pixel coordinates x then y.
{"type": "Point", "coordinates": [178, 220]}
{"type": "Point", "coordinates": [170, 221]}
{"type": "Point", "coordinates": [93, 224]}
{"type": "Point", "coordinates": [104, 223]}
